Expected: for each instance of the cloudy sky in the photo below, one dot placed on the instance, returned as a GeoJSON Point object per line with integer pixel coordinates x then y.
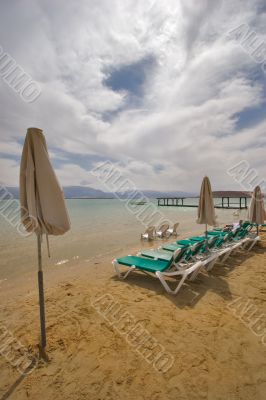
{"type": "Point", "coordinates": [158, 87]}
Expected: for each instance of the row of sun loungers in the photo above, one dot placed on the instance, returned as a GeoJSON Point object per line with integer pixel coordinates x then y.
{"type": "Point", "coordinates": [163, 231]}
{"type": "Point", "coordinates": [187, 258]}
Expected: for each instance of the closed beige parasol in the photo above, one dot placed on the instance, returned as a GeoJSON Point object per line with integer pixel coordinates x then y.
{"type": "Point", "coordinates": [206, 211]}
{"type": "Point", "coordinates": [43, 208]}
{"type": "Point", "coordinates": [41, 196]}
{"type": "Point", "coordinates": [256, 211]}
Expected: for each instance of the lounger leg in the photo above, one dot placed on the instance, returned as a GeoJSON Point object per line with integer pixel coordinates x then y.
{"type": "Point", "coordinates": [211, 264]}
{"type": "Point", "coordinates": [244, 244]}
{"type": "Point", "coordinates": [166, 286]}
{"type": "Point", "coordinates": [226, 256]}
{"type": "Point", "coordinates": [196, 273]}
{"type": "Point", "coordinates": [251, 246]}
{"type": "Point", "coordinates": [254, 241]}
{"type": "Point", "coordinates": [222, 260]}
{"type": "Point", "coordinates": [180, 284]}
{"type": "Point", "coordinates": [119, 273]}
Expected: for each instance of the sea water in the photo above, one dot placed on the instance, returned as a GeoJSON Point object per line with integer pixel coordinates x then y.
{"type": "Point", "coordinates": [99, 228]}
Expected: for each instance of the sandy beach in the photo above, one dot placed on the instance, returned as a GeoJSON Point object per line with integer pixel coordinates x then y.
{"type": "Point", "coordinates": [124, 126]}
{"type": "Point", "coordinates": [213, 330]}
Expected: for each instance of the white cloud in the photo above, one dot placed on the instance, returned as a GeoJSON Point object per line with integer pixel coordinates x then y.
{"type": "Point", "coordinates": [73, 175]}
{"type": "Point", "coordinates": [186, 119]}
{"type": "Point", "coordinates": [10, 148]}
{"type": "Point", "coordinates": [9, 172]}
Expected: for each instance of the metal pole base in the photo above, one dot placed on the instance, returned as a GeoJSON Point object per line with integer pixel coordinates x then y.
{"type": "Point", "coordinates": [42, 345]}
{"type": "Point", "coordinates": [42, 310]}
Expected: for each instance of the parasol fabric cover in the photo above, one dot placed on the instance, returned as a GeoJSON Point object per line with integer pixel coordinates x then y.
{"type": "Point", "coordinates": [256, 211]}
{"type": "Point", "coordinates": [43, 208]}
{"type": "Point", "coordinates": [206, 211]}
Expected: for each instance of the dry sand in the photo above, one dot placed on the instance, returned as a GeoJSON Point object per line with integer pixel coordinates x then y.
{"type": "Point", "coordinates": [216, 354]}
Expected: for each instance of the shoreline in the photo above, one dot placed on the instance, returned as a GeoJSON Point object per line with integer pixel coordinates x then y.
{"type": "Point", "coordinates": [56, 274]}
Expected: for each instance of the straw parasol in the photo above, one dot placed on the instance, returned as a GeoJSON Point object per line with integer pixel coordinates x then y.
{"type": "Point", "coordinates": [43, 208]}
{"type": "Point", "coordinates": [256, 211]}
{"type": "Point", "coordinates": [206, 211]}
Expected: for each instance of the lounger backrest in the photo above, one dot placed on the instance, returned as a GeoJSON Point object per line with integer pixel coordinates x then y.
{"type": "Point", "coordinates": [194, 249]}
{"type": "Point", "coordinates": [212, 241]}
{"type": "Point", "coordinates": [197, 246]}
{"type": "Point", "coordinates": [220, 241]}
{"type": "Point", "coordinates": [150, 230]}
{"type": "Point", "coordinates": [246, 225]}
{"type": "Point", "coordinates": [163, 228]}
{"type": "Point", "coordinates": [236, 232]}
{"type": "Point", "coordinates": [242, 233]}
{"type": "Point", "coordinates": [184, 242]}
{"type": "Point", "coordinates": [176, 225]}
{"type": "Point", "coordinates": [249, 227]}
{"type": "Point", "coordinates": [179, 254]}
{"type": "Point", "coordinates": [228, 237]}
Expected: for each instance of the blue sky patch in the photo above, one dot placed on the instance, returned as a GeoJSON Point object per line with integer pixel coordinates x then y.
{"type": "Point", "coordinates": [8, 156]}
{"type": "Point", "coordinates": [130, 77]}
{"type": "Point", "coordinates": [158, 168]}
{"type": "Point", "coordinates": [250, 117]}
{"type": "Point", "coordinates": [83, 160]}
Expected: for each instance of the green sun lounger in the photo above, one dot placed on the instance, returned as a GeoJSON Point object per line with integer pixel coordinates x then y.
{"type": "Point", "coordinates": [144, 263]}
{"type": "Point", "coordinates": [194, 246]}
{"type": "Point", "coordinates": [160, 268]}
{"type": "Point", "coordinates": [176, 245]}
{"type": "Point", "coordinates": [156, 254]}
{"type": "Point", "coordinates": [165, 253]}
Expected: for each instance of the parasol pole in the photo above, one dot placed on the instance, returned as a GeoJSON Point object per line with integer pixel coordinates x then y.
{"type": "Point", "coordinates": [206, 237]}
{"type": "Point", "coordinates": [41, 296]}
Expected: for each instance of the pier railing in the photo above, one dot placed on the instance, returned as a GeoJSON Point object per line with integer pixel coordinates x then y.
{"type": "Point", "coordinates": [225, 202]}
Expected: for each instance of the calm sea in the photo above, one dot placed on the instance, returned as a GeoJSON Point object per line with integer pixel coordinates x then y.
{"type": "Point", "coordinates": [99, 228]}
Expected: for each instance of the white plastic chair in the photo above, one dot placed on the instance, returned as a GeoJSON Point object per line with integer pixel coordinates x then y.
{"type": "Point", "coordinates": [162, 231]}
{"type": "Point", "coordinates": [149, 234]}
{"type": "Point", "coordinates": [173, 231]}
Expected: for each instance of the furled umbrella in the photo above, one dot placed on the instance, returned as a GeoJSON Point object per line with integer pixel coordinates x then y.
{"type": "Point", "coordinates": [206, 211]}
{"type": "Point", "coordinates": [43, 208]}
{"type": "Point", "coordinates": [256, 211]}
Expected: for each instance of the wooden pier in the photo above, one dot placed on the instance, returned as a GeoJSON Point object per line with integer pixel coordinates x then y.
{"type": "Point", "coordinates": [228, 200]}
{"type": "Point", "coordinates": [173, 202]}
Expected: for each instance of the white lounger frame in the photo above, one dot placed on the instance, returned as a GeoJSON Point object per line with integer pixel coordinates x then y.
{"type": "Point", "coordinates": [226, 252]}
{"type": "Point", "coordinates": [184, 272]}
{"type": "Point", "coordinates": [245, 244]}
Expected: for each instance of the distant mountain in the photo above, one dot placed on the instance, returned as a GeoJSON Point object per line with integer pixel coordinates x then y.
{"type": "Point", "coordinates": [155, 193]}
{"type": "Point", "coordinates": [83, 192]}
{"type": "Point", "coordinates": [14, 191]}
{"type": "Point", "coordinates": [71, 192]}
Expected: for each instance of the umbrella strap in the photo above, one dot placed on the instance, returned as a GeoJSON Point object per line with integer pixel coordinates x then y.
{"type": "Point", "coordinates": [48, 246]}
